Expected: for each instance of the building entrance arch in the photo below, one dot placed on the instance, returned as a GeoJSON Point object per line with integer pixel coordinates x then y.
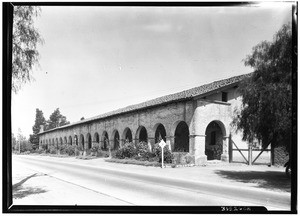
{"type": "Point", "coordinates": [141, 134]}
{"type": "Point", "coordinates": [182, 139]}
{"type": "Point", "coordinates": [127, 135]}
{"type": "Point", "coordinates": [160, 133]}
{"type": "Point", "coordinates": [214, 138]}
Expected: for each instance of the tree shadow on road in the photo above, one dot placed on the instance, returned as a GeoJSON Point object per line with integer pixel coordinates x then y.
{"type": "Point", "coordinates": [20, 192]}
{"type": "Point", "coordinates": [271, 180]}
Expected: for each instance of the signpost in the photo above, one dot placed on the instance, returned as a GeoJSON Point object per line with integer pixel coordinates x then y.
{"type": "Point", "coordinates": [162, 144]}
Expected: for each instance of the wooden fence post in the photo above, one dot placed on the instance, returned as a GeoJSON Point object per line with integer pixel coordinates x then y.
{"type": "Point", "coordinates": [230, 149]}
{"type": "Point", "coordinates": [250, 155]}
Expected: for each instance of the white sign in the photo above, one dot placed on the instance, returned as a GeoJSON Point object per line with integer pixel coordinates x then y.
{"type": "Point", "coordinates": [162, 143]}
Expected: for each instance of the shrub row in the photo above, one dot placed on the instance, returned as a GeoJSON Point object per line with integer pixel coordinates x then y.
{"type": "Point", "coordinates": [141, 152]}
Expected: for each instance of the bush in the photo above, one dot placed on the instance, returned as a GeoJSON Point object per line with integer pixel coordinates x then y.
{"type": "Point", "coordinates": [183, 158]}
{"type": "Point", "coordinates": [67, 149]}
{"type": "Point", "coordinates": [189, 159]}
{"type": "Point", "coordinates": [40, 151]}
{"type": "Point", "coordinates": [99, 152]}
{"type": "Point", "coordinates": [52, 150]}
{"type": "Point", "coordinates": [143, 153]}
{"type": "Point", "coordinates": [127, 151]}
{"type": "Point", "coordinates": [168, 156]}
{"type": "Point", "coordinates": [70, 150]}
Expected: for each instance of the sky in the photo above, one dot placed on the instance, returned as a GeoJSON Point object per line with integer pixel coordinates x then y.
{"type": "Point", "coordinates": [98, 59]}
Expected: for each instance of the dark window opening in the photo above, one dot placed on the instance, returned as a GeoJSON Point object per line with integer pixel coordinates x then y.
{"type": "Point", "coordinates": [128, 136]}
{"type": "Point", "coordinates": [160, 134]}
{"type": "Point", "coordinates": [89, 142]}
{"type": "Point", "coordinates": [143, 137]}
{"type": "Point", "coordinates": [213, 138]}
{"type": "Point", "coordinates": [116, 140]}
{"type": "Point", "coordinates": [181, 138]}
{"type": "Point", "coordinates": [224, 96]}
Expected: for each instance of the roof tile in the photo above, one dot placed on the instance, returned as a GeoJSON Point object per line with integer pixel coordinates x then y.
{"type": "Point", "coordinates": [183, 95]}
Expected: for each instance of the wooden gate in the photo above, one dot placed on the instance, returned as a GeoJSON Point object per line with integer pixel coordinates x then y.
{"type": "Point", "coordinates": [233, 147]}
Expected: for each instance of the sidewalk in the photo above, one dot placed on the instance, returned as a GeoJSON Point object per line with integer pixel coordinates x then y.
{"type": "Point", "coordinates": [259, 177]}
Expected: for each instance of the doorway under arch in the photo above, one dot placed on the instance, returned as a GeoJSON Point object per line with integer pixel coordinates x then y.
{"type": "Point", "coordinates": [127, 135]}
{"type": "Point", "coordinates": [182, 140]}
{"type": "Point", "coordinates": [141, 134]}
{"type": "Point", "coordinates": [89, 140]}
{"type": "Point", "coordinates": [96, 138]}
{"type": "Point", "coordinates": [81, 141]}
{"type": "Point", "coordinates": [160, 133]}
{"type": "Point", "coordinates": [116, 140]}
{"type": "Point", "coordinates": [214, 135]}
{"type": "Point", "coordinates": [105, 141]}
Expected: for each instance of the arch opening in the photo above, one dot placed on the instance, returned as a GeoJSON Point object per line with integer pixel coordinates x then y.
{"type": "Point", "coordinates": [82, 141]}
{"type": "Point", "coordinates": [160, 133]}
{"type": "Point", "coordinates": [70, 140]}
{"type": "Point", "coordinates": [96, 138]}
{"type": "Point", "coordinates": [89, 140]}
{"type": "Point", "coordinates": [214, 141]}
{"type": "Point", "coordinates": [76, 140]}
{"type": "Point", "coordinates": [105, 141]}
{"type": "Point", "coordinates": [182, 141]}
{"type": "Point", "coordinates": [128, 135]}
{"type": "Point", "coordinates": [116, 138]}
{"type": "Point", "coordinates": [142, 135]}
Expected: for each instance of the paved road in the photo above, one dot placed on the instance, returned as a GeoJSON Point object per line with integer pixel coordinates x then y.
{"type": "Point", "coordinates": [122, 187]}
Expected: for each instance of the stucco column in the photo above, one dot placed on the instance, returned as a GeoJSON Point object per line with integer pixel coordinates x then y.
{"type": "Point", "coordinates": [121, 143]}
{"type": "Point", "coordinates": [170, 142]}
{"type": "Point", "coordinates": [224, 156]}
{"type": "Point", "coordinates": [197, 148]}
{"type": "Point", "coordinates": [197, 139]}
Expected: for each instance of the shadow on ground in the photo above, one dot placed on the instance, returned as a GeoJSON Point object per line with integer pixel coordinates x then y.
{"type": "Point", "coordinates": [271, 180]}
{"type": "Point", "coordinates": [20, 192]}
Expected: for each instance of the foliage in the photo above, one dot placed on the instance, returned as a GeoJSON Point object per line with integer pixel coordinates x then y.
{"type": "Point", "coordinates": [127, 151]}
{"type": "Point", "coordinates": [67, 149]}
{"type": "Point", "coordinates": [21, 144]}
{"type": "Point", "coordinates": [40, 151]}
{"type": "Point", "coordinates": [266, 110]}
{"type": "Point", "coordinates": [24, 45]}
{"type": "Point", "coordinates": [39, 120]}
{"type": "Point", "coordinates": [183, 158]}
{"type": "Point", "coordinates": [98, 152]}
{"type": "Point", "coordinates": [168, 156]}
{"type": "Point", "coordinates": [14, 144]}
{"type": "Point", "coordinates": [133, 161]}
{"type": "Point", "coordinates": [56, 119]}
{"type": "Point", "coordinates": [141, 152]}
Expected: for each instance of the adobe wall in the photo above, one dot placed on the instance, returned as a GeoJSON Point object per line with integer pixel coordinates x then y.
{"type": "Point", "coordinates": [197, 114]}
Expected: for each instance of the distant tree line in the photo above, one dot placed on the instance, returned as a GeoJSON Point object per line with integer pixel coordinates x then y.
{"type": "Point", "coordinates": [55, 120]}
